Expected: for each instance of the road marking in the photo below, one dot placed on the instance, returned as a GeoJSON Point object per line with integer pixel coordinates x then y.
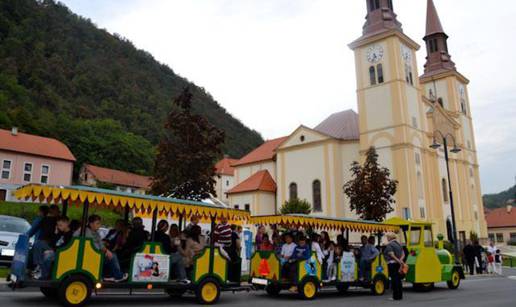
{"type": "Point", "coordinates": [512, 277]}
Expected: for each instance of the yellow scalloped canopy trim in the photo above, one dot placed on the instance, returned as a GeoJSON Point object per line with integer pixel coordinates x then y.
{"type": "Point", "coordinates": [51, 194]}
{"type": "Point", "coordinates": [322, 223]}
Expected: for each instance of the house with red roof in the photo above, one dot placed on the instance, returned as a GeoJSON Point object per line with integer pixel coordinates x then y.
{"type": "Point", "coordinates": [501, 224]}
{"type": "Point", "coordinates": [96, 176]}
{"type": "Point", "coordinates": [224, 178]}
{"type": "Point", "coordinates": [27, 158]}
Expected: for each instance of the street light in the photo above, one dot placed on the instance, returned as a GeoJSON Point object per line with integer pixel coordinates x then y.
{"type": "Point", "coordinates": [455, 149]}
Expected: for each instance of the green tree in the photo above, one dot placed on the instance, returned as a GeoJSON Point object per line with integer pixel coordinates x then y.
{"type": "Point", "coordinates": [184, 166]}
{"type": "Point", "coordinates": [371, 191]}
{"type": "Point", "coordinates": [296, 206]}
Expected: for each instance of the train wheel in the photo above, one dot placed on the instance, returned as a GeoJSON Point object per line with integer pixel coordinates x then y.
{"type": "Point", "coordinates": [75, 291]}
{"type": "Point", "coordinates": [454, 283]}
{"type": "Point", "coordinates": [379, 285]}
{"type": "Point", "coordinates": [308, 289]}
{"type": "Point", "coordinates": [208, 291]}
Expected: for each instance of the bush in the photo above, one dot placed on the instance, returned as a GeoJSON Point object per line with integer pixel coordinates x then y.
{"type": "Point", "coordinates": [296, 206]}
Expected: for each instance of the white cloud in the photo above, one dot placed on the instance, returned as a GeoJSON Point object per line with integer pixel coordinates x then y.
{"type": "Point", "coordinates": [275, 64]}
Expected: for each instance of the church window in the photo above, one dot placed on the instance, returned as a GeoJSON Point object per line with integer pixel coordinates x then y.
{"type": "Point", "coordinates": [372, 75]}
{"type": "Point", "coordinates": [420, 185]}
{"type": "Point", "coordinates": [406, 213]}
{"type": "Point", "coordinates": [444, 186]}
{"type": "Point", "coordinates": [379, 68]}
{"type": "Point", "coordinates": [302, 138]}
{"type": "Point", "coordinates": [433, 45]}
{"type": "Point", "coordinates": [470, 172]}
{"type": "Point", "coordinates": [440, 101]}
{"type": "Point", "coordinates": [469, 144]}
{"type": "Point", "coordinates": [414, 122]}
{"type": "Point", "coordinates": [389, 3]}
{"type": "Point", "coordinates": [431, 95]}
{"type": "Point", "coordinates": [408, 74]}
{"type": "Point", "coordinates": [292, 191]}
{"type": "Point", "coordinates": [449, 230]}
{"type": "Point", "coordinates": [418, 158]}
{"type": "Point", "coordinates": [374, 5]}
{"type": "Point", "coordinates": [316, 191]}
{"type": "Point", "coordinates": [463, 107]}
{"type": "Point", "coordinates": [422, 212]}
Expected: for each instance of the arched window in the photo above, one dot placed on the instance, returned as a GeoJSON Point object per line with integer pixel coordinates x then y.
{"type": "Point", "coordinates": [374, 5]}
{"type": "Point", "coordinates": [420, 192]}
{"type": "Point", "coordinates": [372, 75]}
{"type": "Point", "coordinates": [440, 101]}
{"type": "Point", "coordinates": [379, 69]}
{"type": "Point", "coordinates": [316, 192]}
{"type": "Point", "coordinates": [449, 230]}
{"type": "Point", "coordinates": [444, 187]}
{"type": "Point", "coordinates": [292, 191]}
{"type": "Point", "coordinates": [433, 45]}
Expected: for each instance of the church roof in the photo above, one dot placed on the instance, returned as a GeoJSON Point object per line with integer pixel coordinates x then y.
{"type": "Point", "coordinates": [433, 23]}
{"type": "Point", "coordinates": [264, 152]}
{"type": "Point", "coordinates": [225, 167]}
{"type": "Point", "coordinates": [118, 177]}
{"type": "Point", "coordinates": [342, 125]}
{"type": "Point", "coordinates": [259, 181]}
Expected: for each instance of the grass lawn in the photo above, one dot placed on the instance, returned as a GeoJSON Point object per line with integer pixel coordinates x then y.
{"type": "Point", "coordinates": [29, 210]}
{"type": "Point", "coordinates": [507, 261]}
{"type": "Point", "coordinates": [4, 272]}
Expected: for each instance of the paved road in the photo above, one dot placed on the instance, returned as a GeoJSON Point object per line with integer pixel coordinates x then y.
{"type": "Point", "coordinates": [479, 291]}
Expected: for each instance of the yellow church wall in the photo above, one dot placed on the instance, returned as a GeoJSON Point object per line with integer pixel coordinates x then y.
{"type": "Point", "coordinates": [303, 165]}
{"type": "Point", "coordinates": [245, 171]}
{"type": "Point", "coordinates": [349, 152]}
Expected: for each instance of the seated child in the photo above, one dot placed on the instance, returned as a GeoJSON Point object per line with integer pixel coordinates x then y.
{"type": "Point", "coordinates": [286, 254]}
{"type": "Point", "coordinates": [63, 236]}
{"type": "Point", "coordinates": [301, 252]}
{"type": "Point", "coordinates": [266, 244]}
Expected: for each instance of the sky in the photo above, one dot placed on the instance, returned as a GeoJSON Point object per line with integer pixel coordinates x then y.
{"type": "Point", "coordinates": [277, 64]}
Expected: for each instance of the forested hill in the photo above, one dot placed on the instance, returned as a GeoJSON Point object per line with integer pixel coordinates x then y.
{"type": "Point", "coordinates": [61, 76]}
{"type": "Point", "coordinates": [499, 200]}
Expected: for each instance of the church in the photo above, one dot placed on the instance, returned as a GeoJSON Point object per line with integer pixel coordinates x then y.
{"type": "Point", "coordinates": [403, 114]}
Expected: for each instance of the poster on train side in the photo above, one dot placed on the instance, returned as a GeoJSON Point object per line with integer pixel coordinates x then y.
{"type": "Point", "coordinates": [150, 268]}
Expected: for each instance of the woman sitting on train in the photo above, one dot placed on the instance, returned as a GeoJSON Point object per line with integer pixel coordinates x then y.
{"type": "Point", "coordinates": [194, 246]}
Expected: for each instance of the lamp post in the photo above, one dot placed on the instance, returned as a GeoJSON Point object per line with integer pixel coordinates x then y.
{"type": "Point", "coordinates": [455, 149]}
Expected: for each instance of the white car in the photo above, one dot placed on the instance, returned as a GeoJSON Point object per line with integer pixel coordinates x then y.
{"type": "Point", "coordinates": [10, 229]}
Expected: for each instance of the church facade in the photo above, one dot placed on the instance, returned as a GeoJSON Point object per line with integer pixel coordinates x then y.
{"type": "Point", "coordinates": [402, 114]}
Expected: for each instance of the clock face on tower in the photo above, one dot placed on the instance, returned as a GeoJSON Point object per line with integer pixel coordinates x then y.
{"type": "Point", "coordinates": [406, 54]}
{"type": "Point", "coordinates": [374, 54]}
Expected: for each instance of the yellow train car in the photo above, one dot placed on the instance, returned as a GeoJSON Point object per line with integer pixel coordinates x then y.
{"type": "Point", "coordinates": [427, 264]}
{"type": "Point", "coordinates": [78, 268]}
{"type": "Point", "coordinates": [265, 271]}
